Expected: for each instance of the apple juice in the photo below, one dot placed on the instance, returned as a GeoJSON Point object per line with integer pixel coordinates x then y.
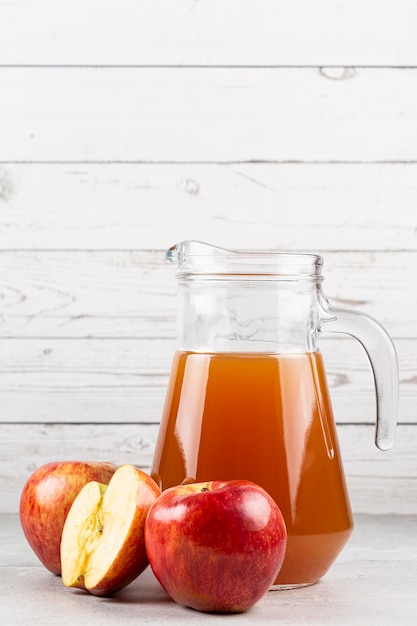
{"type": "Point", "coordinates": [265, 418]}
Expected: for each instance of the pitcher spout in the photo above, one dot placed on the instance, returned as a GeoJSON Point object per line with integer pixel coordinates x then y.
{"type": "Point", "coordinates": [183, 251]}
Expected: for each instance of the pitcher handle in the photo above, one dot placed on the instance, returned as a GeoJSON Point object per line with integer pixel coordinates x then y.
{"type": "Point", "coordinates": [382, 357]}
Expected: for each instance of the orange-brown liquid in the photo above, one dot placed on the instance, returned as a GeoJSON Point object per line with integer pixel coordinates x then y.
{"type": "Point", "coordinates": [265, 418]}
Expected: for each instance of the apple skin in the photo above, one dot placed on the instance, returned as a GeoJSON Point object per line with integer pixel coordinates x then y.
{"type": "Point", "coordinates": [216, 546]}
{"type": "Point", "coordinates": [103, 544]}
{"type": "Point", "coordinates": [46, 499]}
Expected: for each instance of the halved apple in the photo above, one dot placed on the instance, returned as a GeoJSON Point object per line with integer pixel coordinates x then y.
{"type": "Point", "coordinates": [103, 545]}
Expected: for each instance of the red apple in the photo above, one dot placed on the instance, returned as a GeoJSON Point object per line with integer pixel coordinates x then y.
{"type": "Point", "coordinates": [103, 542]}
{"type": "Point", "coordinates": [46, 499]}
{"type": "Point", "coordinates": [216, 546]}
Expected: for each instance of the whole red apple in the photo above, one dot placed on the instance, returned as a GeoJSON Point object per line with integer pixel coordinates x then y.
{"type": "Point", "coordinates": [103, 543]}
{"type": "Point", "coordinates": [216, 546]}
{"type": "Point", "coordinates": [46, 499]}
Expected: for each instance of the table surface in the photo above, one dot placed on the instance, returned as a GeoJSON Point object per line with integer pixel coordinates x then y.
{"type": "Point", "coordinates": [373, 582]}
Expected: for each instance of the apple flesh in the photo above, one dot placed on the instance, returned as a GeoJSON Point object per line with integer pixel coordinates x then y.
{"type": "Point", "coordinates": [46, 499]}
{"type": "Point", "coordinates": [103, 544]}
{"type": "Point", "coordinates": [216, 546]}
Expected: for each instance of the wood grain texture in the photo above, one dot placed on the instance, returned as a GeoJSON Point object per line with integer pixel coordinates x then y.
{"type": "Point", "coordinates": [208, 32]}
{"type": "Point", "coordinates": [128, 126]}
{"type": "Point", "coordinates": [132, 293]}
{"type": "Point", "coordinates": [136, 206]}
{"type": "Point", "coordinates": [209, 115]}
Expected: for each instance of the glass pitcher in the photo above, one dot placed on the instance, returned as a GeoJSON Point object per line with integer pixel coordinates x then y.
{"type": "Point", "coordinates": [248, 397]}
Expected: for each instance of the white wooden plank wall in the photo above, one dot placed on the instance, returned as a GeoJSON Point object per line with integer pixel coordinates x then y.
{"type": "Point", "coordinates": [129, 125]}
